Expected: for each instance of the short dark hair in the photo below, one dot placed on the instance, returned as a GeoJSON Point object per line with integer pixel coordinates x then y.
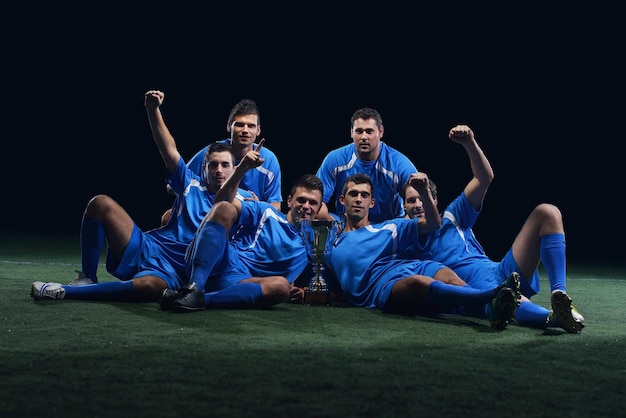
{"type": "Point", "coordinates": [366, 113]}
{"type": "Point", "coordinates": [219, 147]}
{"type": "Point", "coordinates": [309, 182]}
{"type": "Point", "coordinates": [244, 107]}
{"type": "Point", "coordinates": [358, 178]}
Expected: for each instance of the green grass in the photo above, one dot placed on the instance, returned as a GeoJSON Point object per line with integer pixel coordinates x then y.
{"type": "Point", "coordinates": [91, 359]}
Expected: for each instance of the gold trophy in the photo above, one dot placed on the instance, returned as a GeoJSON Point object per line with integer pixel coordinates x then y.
{"type": "Point", "coordinates": [319, 236]}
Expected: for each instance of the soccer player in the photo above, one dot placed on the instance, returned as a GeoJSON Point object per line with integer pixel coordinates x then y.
{"type": "Point", "coordinates": [145, 262]}
{"type": "Point", "coordinates": [541, 239]}
{"type": "Point", "coordinates": [388, 168]}
{"type": "Point", "coordinates": [254, 268]}
{"type": "Point", "coordinates": [244, 126]}
{"type": "Point", "coordinates": [365, 260]}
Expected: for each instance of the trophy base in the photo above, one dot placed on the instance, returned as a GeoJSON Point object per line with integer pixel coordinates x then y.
{"type": "Point", "coordinates": [316, 298]}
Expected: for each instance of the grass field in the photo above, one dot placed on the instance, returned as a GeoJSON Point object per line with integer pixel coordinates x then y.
{"type": "Point", "coordinates": [90, 359]}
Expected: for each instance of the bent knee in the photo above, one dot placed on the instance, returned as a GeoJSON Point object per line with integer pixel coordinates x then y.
{"type": "Point", "coordinates": [276, 289]}
{"type": "Point", "coordinates": [448, 276]}
{"type": "Point", "coordinates": [548, 210]}
{"type": "Point", "coordinates": [98, 205]}
{"type": "Point", "coordinates": [149, 288]}
{"type": "Point", "coordinates": [224, 213]}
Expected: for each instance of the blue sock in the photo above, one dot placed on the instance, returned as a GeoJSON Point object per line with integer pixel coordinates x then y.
{"type": "Point", "coordinates": [240, 295]}
{"type": "Point", "coordinates": [205, 252]}
{"type": "Point", "coordinates": [530, 315]}
{"type": "Point", "coordinates": [552, 252]}
{"type": "Point", "coordinates": [451, 296]}
{"type": "Point", "coordinates": [91, 245]}
{"type": "Point", "coordinates": [122, 291]}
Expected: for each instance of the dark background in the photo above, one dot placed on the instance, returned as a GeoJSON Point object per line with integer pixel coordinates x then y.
{"type": "Point", "coordinates": [541, 87]}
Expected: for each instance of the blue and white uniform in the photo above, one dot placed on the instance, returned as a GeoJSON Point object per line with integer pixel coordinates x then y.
{"type": "Point", "coordinates": [389, 173]}
{"type": "Point", "coordinates": [161, 251]}
{"type": "Point", "coordinates": [264, 181]}
{"type": "Point", "coordinates": [368, 274]}
{"type": "Point", "coordinates": [263, 243]}
{"type": "Point", "coordinates": [455, 245]}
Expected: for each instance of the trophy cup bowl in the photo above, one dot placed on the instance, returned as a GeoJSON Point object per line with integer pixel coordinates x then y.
{"type": "Point", "coordinates": [319, 237]}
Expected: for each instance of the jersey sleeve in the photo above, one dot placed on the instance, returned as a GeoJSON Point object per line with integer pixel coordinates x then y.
{"type": "Point", "coordinates": [326, 173]}
{"type": "Point", "coordinates": [273, 189]}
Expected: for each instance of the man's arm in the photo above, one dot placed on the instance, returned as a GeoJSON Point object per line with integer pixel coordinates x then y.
{"type": "Point", "coordinates": [324, 213]}
{"type": "Point", "coordinates": [476, 189]}
{"type": "Point", "coordinates": [164, 140]}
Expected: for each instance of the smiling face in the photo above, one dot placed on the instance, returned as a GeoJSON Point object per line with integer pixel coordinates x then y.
{"type": "Point", "coordinates": [244, 130]}
{"type": "Point", "coordinates": [304, 203]}
{"type": "Point", "coordinates": [305, 198]}
{"type": "Point", "coordinates": [413, 205]}
{"type": "Point", "coordinates": [413, 202]}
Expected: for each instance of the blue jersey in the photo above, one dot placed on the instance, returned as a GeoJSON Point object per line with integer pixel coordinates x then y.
{"type": "Point", "coordinates": [266, 243]}
{"type": "Point", "coordinates": [389, 173]}
{"type": "Point", "coordinates": [161, 251]}
{"type": "Point", "coordinates": [366, 261]}
{"type": "Point", "coordinates": [264, 181]}
{"type": "Point", "coordinates": [455, 245]}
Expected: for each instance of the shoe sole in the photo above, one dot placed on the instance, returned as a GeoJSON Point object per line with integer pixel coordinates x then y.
{"type": "Point", "coordinates": [186, 302]}
{"type": "Point", "coordinates": [32, 292]}
{"type": "Point", "coordinates": [513, 282]}
{"type": "Point", "coordinates": [181, 308]}
{"type": "Point", "coordinates": [508, 302]}
{"type": "Point", "coordinates": [562, 308]}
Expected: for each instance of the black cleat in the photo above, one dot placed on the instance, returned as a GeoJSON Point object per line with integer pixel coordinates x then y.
{"type": "Point", "coordinates": [167, 298]}
{"type": "Point", "coordinates": [502, 308]}
{"type": "Point", "coordinates": [190, 298]}
{"type": "Point", "coordinates": [565, 314]}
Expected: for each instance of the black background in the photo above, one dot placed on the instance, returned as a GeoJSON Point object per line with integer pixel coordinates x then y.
{"type": "Point", "coordinates": [541, 87]}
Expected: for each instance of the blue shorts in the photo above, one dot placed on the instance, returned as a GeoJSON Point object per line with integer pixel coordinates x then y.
{"type": "Point", "coordinates": [230, 271]}
{"type": "Point", "coordinates": [491, 274]}
{"type": "Point", "coordinates": [146, 256]}
{"type": "Point", "coordinates": [529, 286]}
{"type": "Point", "coordinates": [395, 270]}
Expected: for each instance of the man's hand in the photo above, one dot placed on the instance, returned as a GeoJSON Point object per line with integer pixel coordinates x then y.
{"type": "Point", "coordinates": [419, 181]}
{"type": "Point", "coordinates": [296, 294]}
{"type": "Point", "coordinates": [461, 134]}
{"type": "Point", "coordinates": [253, 196]}
{"type": "Point", "coordinates": [253, 159]}
{"type": "Point", "coordinates": [153, 99]}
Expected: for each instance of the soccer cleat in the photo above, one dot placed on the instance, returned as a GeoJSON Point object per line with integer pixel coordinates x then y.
{"type": "Point", "coordinates": [565, 314]}
{"type": "Point", "coordinates": [502, 308]}
{"type": "Point", "coordinates": [167, 297]}
{"type": "Point", "coordinates": [81, 279]}
{"type": "Point", "coordinates": [43, 291]}
{"type": "Point", "coordinates": [190, 299]}
{"type": "Point", "coordinates": [513, 282]}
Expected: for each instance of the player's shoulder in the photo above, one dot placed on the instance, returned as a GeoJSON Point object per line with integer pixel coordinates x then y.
{"type": "Point", "coordinates": [385, 147]}
{"type": "Point", "coordinates": [388, 152]}
{"type": "Point", "coordinates": [267, 153]}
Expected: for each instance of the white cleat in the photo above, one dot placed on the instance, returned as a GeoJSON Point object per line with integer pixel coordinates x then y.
{"type": "Point", "coordinates": [81, 280]}
{"type": "Point", "coordinates": [44, 291]}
